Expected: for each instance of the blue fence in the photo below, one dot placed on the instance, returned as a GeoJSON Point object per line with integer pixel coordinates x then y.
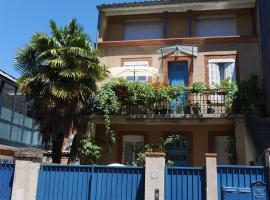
{"type": "Point", "coordinates": [239, 177]}
{"type": "Point", "coordinates": [184, 183]}
{"type": "Point", "coordinates": [6, 179]}
{"type": "Point", "coordinates": [90, 182]}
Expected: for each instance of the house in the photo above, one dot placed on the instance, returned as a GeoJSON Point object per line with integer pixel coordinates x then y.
{"type": "Point", "coordinates": [184, 42]}
{"type": "Point", "coordinates": [17, 127]}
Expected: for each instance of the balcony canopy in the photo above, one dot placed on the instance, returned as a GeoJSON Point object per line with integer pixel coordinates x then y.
{"type": "Point", "coordinates": [177, 49]}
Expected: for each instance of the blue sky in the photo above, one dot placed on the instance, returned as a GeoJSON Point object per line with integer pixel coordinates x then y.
{"type": "Point", "coordinates": [19, 19]}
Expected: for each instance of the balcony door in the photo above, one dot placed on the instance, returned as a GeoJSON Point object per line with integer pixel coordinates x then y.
{"type": "Point", "coordinates": [178, 74]}
{"type": "Point", "coordinates": [178, 151]}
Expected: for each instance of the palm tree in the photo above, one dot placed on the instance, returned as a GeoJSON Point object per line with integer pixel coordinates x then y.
{"type": "Point", "coordinates": [59, 73]}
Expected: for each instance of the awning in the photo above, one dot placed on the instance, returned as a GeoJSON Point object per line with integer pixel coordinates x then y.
{"type": "Point", "coordinates": [133, 71]}
{"type": "Point", "coordinates": [177, 49]}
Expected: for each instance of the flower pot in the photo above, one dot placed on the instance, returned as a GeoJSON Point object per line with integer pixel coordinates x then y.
{"type": "Point", "coordinates": [210, 110]}
{"type": "Point", "coordinates": [196, 110]}
{"type": "Point", "coordinates": [163, 111]}
{"type": "Point", "coordinates": [187, 110]}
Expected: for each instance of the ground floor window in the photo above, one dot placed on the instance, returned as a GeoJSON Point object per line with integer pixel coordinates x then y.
{"type": "Point", "coordinates": [220, 147]}
{"type": "Point", "coordinates": [178, 151]}
{"type": "Point", "coordinates": [132, 145]}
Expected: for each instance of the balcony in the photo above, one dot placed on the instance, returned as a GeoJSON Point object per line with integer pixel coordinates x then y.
{"type": "Point", "coordinates": [187, 105]}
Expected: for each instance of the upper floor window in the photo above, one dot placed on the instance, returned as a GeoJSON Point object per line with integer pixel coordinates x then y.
{"type": "Point", "coordinates": [220, 69]}
{"type": "Point", "coordinates": [215, 26]}
{"type": "Point", "coordinates": [143, 29]}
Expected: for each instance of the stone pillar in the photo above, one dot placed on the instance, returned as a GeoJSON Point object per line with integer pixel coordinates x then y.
{"type": "Point", "coordinates": [211, 176]}
{"type": "Point", "coordinates": [244, 145]}
{"type": "Point", "coordinates": [154, 176]}
{"type": "Point", "coordinates": [25, 180]}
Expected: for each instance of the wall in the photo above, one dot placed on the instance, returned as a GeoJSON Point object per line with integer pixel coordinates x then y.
{"type": "Point", "coordinates": [177, 24]}
{"type": "Point", "coordinates": [200, 141]}
{"type": "Point", "coordinates": [249, 61]}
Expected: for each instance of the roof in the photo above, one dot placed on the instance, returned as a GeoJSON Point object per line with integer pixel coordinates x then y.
{"type": "Point", "coordinates": [8, 77]}
{"type": "Point", "coordinates": [150, 2]}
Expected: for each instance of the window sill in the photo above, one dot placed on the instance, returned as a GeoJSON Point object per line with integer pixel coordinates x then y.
{"type": "Point", "coordinates": [173, 41]}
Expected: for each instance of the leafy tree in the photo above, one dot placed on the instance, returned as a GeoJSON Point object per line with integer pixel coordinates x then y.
{"type": "Point", "coordinates": [58, 75]}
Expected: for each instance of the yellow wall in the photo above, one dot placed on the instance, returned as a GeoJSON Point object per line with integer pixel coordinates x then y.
{"type": "Point", "coordinates": [153, 133]}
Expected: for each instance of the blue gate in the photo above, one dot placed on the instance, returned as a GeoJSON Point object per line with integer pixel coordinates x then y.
{"type": "Point", "coordinates": [90, 182]}
{"type": "Point", "coordinates": [184, 183]}
{"type": "Point", "coordinates": [237, 181]}
{"type": "Point", "coordinates": [6, 179]}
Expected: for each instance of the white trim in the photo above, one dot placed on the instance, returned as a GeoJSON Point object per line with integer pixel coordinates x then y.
{"type": "Point", "coordinates": [179, 7]}
{"type": "Point", "coordinates": [225, 60]}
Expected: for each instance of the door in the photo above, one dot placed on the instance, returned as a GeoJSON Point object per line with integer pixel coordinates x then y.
{"type": "Point", "coordinates": [132, 145]}
{"type": "Point", "coordinates": [220, 147]}
{"type": "Point", "coordinates": [178, 74]}
{"type": "Point", "coordinates": [178, 151]}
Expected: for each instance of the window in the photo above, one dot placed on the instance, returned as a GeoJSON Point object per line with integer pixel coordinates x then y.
{"type": "Point", "coordinates": [143, 29]}
{"type": "Point", "coordinates": [132, 145]}
{"type": "Point", "coordinates": [220, 69]}
{"type": "Point", "coordinates": [136, 73]}
{"type": "Point", "coordinates": [216, 26]}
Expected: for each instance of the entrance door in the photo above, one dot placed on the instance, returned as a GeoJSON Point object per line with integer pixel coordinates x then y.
{"type": "Point", "coordinates": [178, 151]}
{"type": "Point", "coordinates": [132, 145]}
{"type": "Point", "coordinates": [220, 147]}
{"type": "Point", "coordinates": [178, 74]}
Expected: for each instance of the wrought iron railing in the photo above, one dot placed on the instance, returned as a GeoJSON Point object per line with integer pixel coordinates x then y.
{"type": "Point", "coordinates": [208, 102]}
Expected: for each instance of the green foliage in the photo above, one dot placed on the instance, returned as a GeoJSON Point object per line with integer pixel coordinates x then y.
{"type": "Point", "coordinates": [89, 151]}
{"type": "Point", "coordinates": [160, 147]}
{"type": "Point", "coordinates": [59, 72]}
{"type": "Point", "coordinates": [230, 89]}
{"type": "Point", "coordinates": [111, 98]}
{"type": "Point", "coordinates": [199, 87]}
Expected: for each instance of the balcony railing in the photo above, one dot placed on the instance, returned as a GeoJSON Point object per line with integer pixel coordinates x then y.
{"type": "Point", "coordinates": [187, 103]}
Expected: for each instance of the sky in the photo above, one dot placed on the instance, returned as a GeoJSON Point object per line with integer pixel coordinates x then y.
{"type": "Point", "coordinates": [20, 19]}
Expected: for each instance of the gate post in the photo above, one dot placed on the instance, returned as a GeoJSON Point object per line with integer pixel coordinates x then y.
{"type": "Point", "coordinates": [154, 176]}
{"type": "Point", "coordinates": [27, 167]}
{"type": "Point", "coordinates": [211, 176]}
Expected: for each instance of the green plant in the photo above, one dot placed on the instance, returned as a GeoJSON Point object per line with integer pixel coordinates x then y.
{"type": "Point", "coordinates": [59, 72]}
{"type": "Point", "coordinates": [160, 147]}
{"type": "Point", "coordinates": [196, 108]}
{"type": "Point", "coordinates": [89, 151]}
{"type": "Point", "coordinates": [199, 87]}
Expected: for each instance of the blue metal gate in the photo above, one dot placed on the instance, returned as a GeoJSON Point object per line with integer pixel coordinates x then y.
{"type": "Point", "coordinates": [235, 182]}
{"type": "Point", "coordinates": [90, 182]}
{"type": "Point", "coordinates": [6, 179]}
{"type": "Point", "coordinates": [184, 183]}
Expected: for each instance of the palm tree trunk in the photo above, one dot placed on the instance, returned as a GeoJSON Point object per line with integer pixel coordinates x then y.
{"type": "Point", "coordinates": [57, 149]}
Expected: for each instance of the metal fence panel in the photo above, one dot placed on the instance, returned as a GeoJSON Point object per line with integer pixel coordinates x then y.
{"type": "Point", "coordinates": [6, 179]}
{"type": "Point", "coordinates": [90, 182]}
{"type": "Point", "coordinates": [239, 176]}
{"type": "Point", "coordinates": [184, 183]}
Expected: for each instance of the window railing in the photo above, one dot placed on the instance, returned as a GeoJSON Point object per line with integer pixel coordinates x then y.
{"type": "Point", "coordinates": [208, 102]}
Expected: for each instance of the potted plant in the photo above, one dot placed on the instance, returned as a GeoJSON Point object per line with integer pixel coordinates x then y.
{"type": "Point", "coordinates": [210, 109]}
{"type": "Point", "coordinates": [187, 107]}
{"type": "Point", "coordinates": [196, 108]}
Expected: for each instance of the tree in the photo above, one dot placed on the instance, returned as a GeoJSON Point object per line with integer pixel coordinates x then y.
{"type": "Point", "coordinates": [59, 73]}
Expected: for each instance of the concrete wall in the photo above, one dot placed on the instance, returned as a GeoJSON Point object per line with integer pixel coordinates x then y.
{"type": "Point", "coordinates": [247, 53]}
{"type": "Point", "coordinates": [200, 136]}
{"type": "Point", "coordinates": [177, 25]}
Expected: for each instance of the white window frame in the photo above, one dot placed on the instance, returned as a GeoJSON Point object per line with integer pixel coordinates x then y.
{"type": "Point", "coordinates": [157, 20]}
{"type": "Point", "coordinates": [133, 139]}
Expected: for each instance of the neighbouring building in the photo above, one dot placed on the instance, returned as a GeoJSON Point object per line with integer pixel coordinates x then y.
{"type": "Point", "coordinates": [184, 42]}
{"type": "Point", "coordinates": [17, 127]}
